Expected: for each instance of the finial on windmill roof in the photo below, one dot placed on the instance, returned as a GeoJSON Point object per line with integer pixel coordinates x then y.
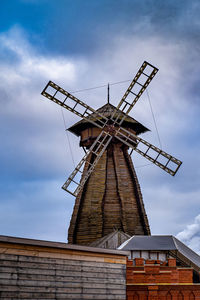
{"type": "Point", "coordinates": [108, 93]}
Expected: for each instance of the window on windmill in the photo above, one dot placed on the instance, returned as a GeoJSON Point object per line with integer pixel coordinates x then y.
{"type": "Point", "coordinates": [61, 97]}
{"type": "Point", "coordinates": [136, 88]}
{"type": "Point", "coordinates": [70, 102]}
{"type": "Point", "coordinates": [74, 182]}
{"type": "Point", "coordinates": [148, 70]}
{"type": "Point", "coordinates": [142, 147]}
{"type": "Point", "coordinates": [162, 160]}
{"type": "Point", "coordinates": [124, 107]}
{"type": "Point", "coordinates": [80, 109]}
{"type": "Point", "coordinates": [50, 90]}
{"type": "Point", "coordinates": [77, 178]}
{"type": "Point", "coordinates": [152, 153]}
{"type": "Point", "coordinates": [129, 99]}
{"type": "Point", "coordinates": [171, 165]}
{"type": "Point", "coordinates": [142, 79]}
{"type": "Point", "coordinates": [72, 187]}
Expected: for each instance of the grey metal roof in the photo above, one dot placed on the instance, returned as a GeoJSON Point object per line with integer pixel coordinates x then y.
{"type": "Point", "coordinates": [187, 252]}
{"type": "Point", "coordinates": [161, 243]}
{"type": "Point", "coordinates": [152, 242]}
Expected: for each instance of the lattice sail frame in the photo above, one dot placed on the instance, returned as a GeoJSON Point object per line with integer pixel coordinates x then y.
{"type": "Point", "coordinates": [73, 104]}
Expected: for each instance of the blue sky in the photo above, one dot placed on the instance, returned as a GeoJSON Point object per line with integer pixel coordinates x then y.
{"type": "Point", "coordinates": [83, 44]}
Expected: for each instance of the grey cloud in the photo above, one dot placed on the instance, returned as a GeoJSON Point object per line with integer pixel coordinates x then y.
{"type": "Point", "coordinates": [191, 234]}
{"type": "Point", "coordinates": [88, 27]}
{"type": "Point", "coordinates": [166, 198]}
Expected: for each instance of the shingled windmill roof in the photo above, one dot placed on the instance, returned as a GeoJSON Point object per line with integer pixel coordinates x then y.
{"type": "Point", "coordinates": [107, 111]}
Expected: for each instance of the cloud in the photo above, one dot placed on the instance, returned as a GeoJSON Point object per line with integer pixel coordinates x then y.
{"type": "Point", "coordinates": [21, 82]}
{"type": "Point", "coordinates": [35, 154]}
{"type": "Point", "coordinates": [191, 235]}
{"type": "Point", "coordinates": [84, 28]}
{"type": "Point", "coordinates": [28, 64]}
{"type": "Point", "coordinates": [35, 148]}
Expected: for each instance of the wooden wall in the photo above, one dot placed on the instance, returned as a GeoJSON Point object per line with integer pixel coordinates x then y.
{"type": "Point", "coordinates": [31, 269]}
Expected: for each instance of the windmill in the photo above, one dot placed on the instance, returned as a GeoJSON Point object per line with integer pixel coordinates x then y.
{"type": "Point", "coordinates": [110, 128]}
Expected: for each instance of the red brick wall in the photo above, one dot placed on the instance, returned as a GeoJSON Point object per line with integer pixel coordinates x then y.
{"type": "Point", "coordinates": [155, 280]}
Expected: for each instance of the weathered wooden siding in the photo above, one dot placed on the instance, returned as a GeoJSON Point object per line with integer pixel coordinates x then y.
{"type": "Point", "coordinates": [40, 272]}
{"type": "Point", "coordinates": [111, 199]}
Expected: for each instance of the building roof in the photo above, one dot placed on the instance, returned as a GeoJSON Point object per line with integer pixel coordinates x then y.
{"type": "Point", "coordinates": [153, 242]}
{"type": "Point", "coordinates": [107, 111]}
{"type": "Point", "coordinates": [162, 243]}
{"type": "Point", "coordinates": [58, 245]}
{"type": "Point", "coordinates": [111, 240]}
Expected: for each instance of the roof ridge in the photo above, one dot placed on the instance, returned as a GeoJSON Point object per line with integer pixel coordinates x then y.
{"type": "Point", "coordinates": [174, 240]}
{"type": "Point", "coordinates": [184, 246]}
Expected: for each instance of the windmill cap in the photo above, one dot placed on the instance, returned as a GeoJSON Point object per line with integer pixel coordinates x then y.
{"type": "Point", "coordinates": [107, 111]}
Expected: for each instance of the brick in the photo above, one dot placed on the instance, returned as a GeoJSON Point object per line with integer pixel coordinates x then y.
{"type": "Point", "coordinates": [139, 261]}
{"type": "Point", "coordinates": [171, 262]}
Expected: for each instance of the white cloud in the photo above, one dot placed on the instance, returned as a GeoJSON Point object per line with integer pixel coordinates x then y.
{"type": "Point", "coordinates": [32, 126]}
{"type": "Point", "coordinates": [191, 235]}
{"type": "Point", "coordinates": [30, 63]}
{"type": "Point", "coordinates": [29, 119]}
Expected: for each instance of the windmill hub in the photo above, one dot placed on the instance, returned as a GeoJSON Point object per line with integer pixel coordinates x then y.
{"type": "Point", "coordinates": [111, 129]}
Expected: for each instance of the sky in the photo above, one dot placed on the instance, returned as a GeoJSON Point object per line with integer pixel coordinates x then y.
{"type": "Point", "coordinates": [81, 45]}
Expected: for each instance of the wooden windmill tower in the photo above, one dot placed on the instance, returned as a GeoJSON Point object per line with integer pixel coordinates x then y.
{"type": "Point", "coordinates": [105, 184]}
